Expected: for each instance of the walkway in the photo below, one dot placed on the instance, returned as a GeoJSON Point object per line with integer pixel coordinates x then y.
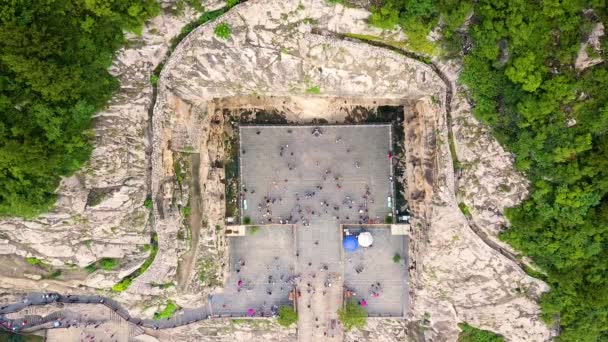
{"type": "Point", "coordinates": [188, 316]}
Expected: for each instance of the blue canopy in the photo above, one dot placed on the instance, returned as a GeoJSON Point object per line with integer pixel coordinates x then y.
{"type": "Point", "coordinates": [350, 243]}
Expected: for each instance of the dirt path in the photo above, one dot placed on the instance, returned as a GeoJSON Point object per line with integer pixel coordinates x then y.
{"type": "Point", "coordinates": [185, 267]}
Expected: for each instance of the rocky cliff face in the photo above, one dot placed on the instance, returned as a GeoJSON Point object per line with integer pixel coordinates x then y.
{"type": "Point", "coordinates": [100, 211]}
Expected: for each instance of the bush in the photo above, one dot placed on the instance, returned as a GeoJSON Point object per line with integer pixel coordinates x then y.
{"type": "Point", "coordinates": [53, 275]}
{"type": "Point", "coordinates": [352, 316]}
{"type": "Point", "coordinates": [397, 258]}
{"type": "Point", "coordinates": [37, 262]}
{"type": "Point", "coordinates": [388, 219]}
{"type": "Point", "coordinates": [247, 220]}
{"type": "Point", "coordinates": [108, 264]}
{"type": "Point", "coordinates": [148, 203]}
{"type": "Point", "coordinates": [232, 3]}
{"type": "Point", "coordinates": [222, 31]}
{"type": "Point", "coordinates": [124, 284]}
{"type": "Point", "coordinates": [313, 90]}
{"type": "Point", "coordinates": [472, 334]}
{"type": "Point", "coordinates": [465, 209]}
{"type": "Point", "coordinates": [186, 212]}
{"type": "Point", "coordinates": [287, 316]}
{"type": "Point", "coordinates": [167, 312]}
{"type": "Point", "coordinates": [254, 230]}
{"type": "Point", "coordinates": [91, 268]}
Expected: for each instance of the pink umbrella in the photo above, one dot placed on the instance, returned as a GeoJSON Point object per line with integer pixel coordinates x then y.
{"type": "Point", "coordinates": [239, 284]}
{"type": "Point", "coordinates": [363, 303]}
{"type": "Point", "coordinates": [250, 312]}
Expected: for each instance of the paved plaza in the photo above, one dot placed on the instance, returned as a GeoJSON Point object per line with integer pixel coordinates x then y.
{"type": "Point", "coordinates": [298, 184]}
{"type": "Point", "coordinates": [289, 174]}
{"type": "Point", "coordinates": [261, 272]}
{"type": "Point", "coordinates": [373, 274]}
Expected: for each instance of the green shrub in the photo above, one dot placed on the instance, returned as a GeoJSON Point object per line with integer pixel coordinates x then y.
{"type": "Point", "coordinates": [122, 285]}
{"type": "Point", "coordinates": [37, 262]}
{"type": "Point", "coordinates": [465, 209]}
{"type": "Point", "coordinates": [54, 274]}
{"type": "Point", "coordinates": [397, 258]}
{"type": "Point", "coordinates": [222, 31]}
{"type": "Point", "coordinates": [148, 203]}
{"type": "Point", "coordinates": [352, 316]}
{"type": "Point", "coordinates": [108, 264]}
{"type": "Point", "coordinates": [167, 312]}
{"type": "Point", "coordinates": [313, 90]}
{"type": "Point", "coordinates": [247, 220]}
{"type": "Point", "coordinates": [125, 282]}
{"type": "Point", "coordinates": [186, 212]}
{"type": "Point", "coordinates": [254, 230]}
{"type": "Point", "coordinates": [287, 316]}
{"type": "Point", "coordinates": [91, 268]}
{"type": "Point", "coordinates": [472, 334]}
{"type": "Point", "coordinates": [232, 3]}
{"type": "Point", "coordinates": [388, 219]}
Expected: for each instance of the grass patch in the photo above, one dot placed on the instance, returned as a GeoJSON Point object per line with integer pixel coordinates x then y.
{"type": "Point", "coordinates": [207, 273]}
{"type": "Point", "coordinates": [465, 209]}
{"type": "Point", "coordinates": [186, 212]}
{"type": "Point", "coordinates": [222, 31]}
{"type": "Point", "coordinates": [253, 230]}
{"type": "Point", "coordinates": [231, 170]}
{"type": "Point", "coordinates": [108, 264]}
{"type": "Point", "coordinates": [313, 90]}
{"type": "Point", "coordinates": [178, 170]}
{"type": "Point", "coordinates": [287, 316]}
{"type": "Point", "coordinates": [472, 334]}
{"type": "Point", "coordinates": [37, 262]}
{"type": "Point", "coordinates": [401, 45]}
{"type": "Point", "coordinates": [126, 282]}
{"type": "Point", "coordinates": [53, 275]}
{"type": "Point", "coordinates": [91, 268]}
{"type": "Point", "coordinates": [167, 312]}
{"type": "Point", "coordinates": [352, 316]}
{"type": "Point", "coordinates": [455, 162]}
{"type": "Point", "coordinates": [148, 203]}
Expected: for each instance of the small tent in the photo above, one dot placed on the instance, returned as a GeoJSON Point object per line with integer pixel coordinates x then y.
{"type": "Point", "coordinates": [350, 243]}
{"type": "Point", "coordinates": [365, 239]}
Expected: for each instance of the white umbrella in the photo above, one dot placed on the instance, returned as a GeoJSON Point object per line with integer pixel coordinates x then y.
{"type": "Point", "coordinates": [365, 239]}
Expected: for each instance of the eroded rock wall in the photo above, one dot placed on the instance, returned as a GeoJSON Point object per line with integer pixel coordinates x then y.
{"type": "Point", "coordinates": [99, 212]}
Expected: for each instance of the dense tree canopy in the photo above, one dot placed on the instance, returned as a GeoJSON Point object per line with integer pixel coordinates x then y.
{"type": "Point", "coordinates": [54, 56]}
{"type": "Point", "coordinates": [521, 76]}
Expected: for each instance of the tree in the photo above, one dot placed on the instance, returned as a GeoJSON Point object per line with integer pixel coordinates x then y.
{"type": "Point", "coordinates": [54, 60]}
{"type": "Point", "coordinates": [471, 334]}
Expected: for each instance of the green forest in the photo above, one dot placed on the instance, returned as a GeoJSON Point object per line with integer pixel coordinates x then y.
{"type": "Point", "coordinates": [519, 70]}
{"type": "Point", "coordinates": [54, 60]}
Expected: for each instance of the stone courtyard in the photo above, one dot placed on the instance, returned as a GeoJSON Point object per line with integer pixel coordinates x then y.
{"type": "Point", "coordinates": [298, 185]}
